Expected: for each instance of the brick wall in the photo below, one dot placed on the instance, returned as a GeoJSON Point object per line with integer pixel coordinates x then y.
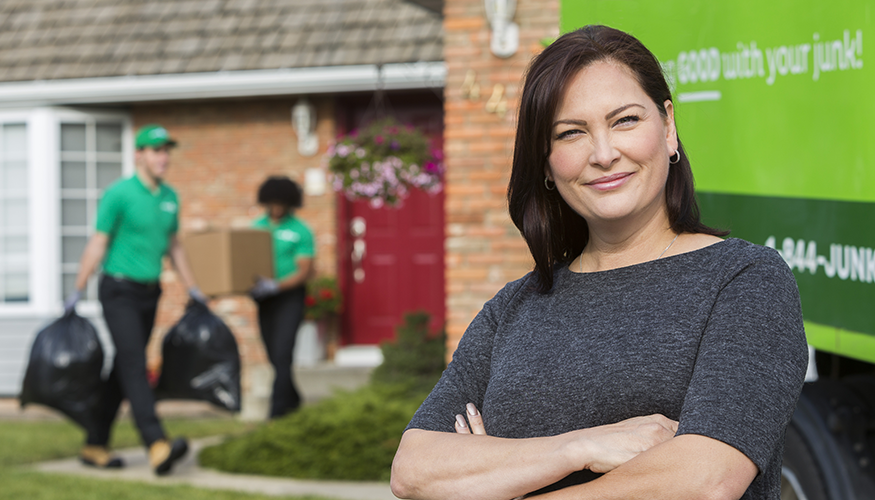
{"type": "Point", "coordinates": [226, 150]}
{"type": "Point", "coordinates": [484, 250]}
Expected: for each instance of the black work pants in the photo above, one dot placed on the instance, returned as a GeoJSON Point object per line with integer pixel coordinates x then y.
{"type": "Point", "coordinates": [129, 310]}
{"type": "Point", "coordinates": [279, 318]}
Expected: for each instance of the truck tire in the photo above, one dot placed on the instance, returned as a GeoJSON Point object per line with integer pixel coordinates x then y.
{"type": "Point", "coordinates": [827, 455]}
{"type": "Point", "coordinates": [800, 477]}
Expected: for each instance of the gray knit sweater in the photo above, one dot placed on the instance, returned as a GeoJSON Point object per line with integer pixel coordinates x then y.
{"type": "Point", "coordinates": [712, 338]}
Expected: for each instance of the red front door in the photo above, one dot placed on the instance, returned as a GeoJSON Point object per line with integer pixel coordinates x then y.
{"type": "Point", "coordinates": [393, 258]}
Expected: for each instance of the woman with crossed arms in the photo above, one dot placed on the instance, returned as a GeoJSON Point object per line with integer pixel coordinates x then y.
{"type": "Point", "coordinates": [644, 356]}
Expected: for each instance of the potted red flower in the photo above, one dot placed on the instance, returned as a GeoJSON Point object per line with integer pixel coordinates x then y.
{"type": "Point", "coordinates": [323, 305]}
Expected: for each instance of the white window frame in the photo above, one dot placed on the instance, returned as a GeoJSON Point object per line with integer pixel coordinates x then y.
{"type": "Point", "coordinates": [44, 201]}
{"type": "Point", "coordinates": [22, 118]}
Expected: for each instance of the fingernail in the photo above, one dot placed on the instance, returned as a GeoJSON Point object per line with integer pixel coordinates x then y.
{"type": "Point", "coordinates": [472, 410]}
{"type": "Point", "coordinates": [461, 421]}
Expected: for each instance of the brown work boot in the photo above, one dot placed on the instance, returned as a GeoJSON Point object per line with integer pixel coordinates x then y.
{"type": "Point", "coordinates": [162, 454]}
{"type": "Point", "coordinates": [100, 457]}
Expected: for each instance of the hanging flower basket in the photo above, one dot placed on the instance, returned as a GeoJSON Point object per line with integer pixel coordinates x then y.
{"type": "Point", "coordinates": [383, 162]}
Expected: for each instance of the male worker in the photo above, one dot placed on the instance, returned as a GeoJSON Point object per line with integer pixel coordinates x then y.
{"type": "Point", "coordinates": [137, 222]}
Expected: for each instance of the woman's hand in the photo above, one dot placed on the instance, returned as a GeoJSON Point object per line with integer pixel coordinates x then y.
{"type": "Point", "coordinates": [609, 446]}
{"type": "Point", "coordinates": [474, 424]}
{"type": "Point", "coordinates": [600, 449]}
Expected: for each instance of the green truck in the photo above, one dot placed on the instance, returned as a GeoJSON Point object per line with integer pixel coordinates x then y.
{"type": "Point", "coordinates": [773, 101]}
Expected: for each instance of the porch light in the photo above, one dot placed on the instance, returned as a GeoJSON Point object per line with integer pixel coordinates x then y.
{"type": "Point", "coordinates": [505, 33]}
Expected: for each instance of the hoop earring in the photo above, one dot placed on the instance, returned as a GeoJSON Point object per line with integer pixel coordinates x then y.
{"type": "Point", "coordinates": [547, 182]}
{"type": "Point", "coordinates": [678, 154]}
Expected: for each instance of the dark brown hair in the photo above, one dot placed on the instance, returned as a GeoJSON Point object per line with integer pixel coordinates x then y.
{"type": "Point", "coordinates": [553, 231]}
{"type": "Point", "coordinates": [280, 189]}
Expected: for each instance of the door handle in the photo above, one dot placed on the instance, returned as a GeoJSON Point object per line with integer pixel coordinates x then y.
{"type": "Point", "coordinates": [358, 254]}
{"type": "Point", "coordinates": [358, 251]}
{"type": "Point", "coordinates": [357, 227]}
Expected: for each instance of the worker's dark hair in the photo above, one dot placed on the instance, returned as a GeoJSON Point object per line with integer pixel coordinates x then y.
{"type": "Point", "coordinates": [280, 189]}
{"type": "Point", "coordinates": [553, 231]}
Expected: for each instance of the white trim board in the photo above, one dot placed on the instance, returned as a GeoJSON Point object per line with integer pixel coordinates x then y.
{"type": "Point", "coordinates": [185, 86]}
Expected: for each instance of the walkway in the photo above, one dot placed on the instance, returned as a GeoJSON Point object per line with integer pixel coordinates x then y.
{"type": "Point", "coordinates": [315, 383]}
{"type": "Point", "coordinates": [187, 471]}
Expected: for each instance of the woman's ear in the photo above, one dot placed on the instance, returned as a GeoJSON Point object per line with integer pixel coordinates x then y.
{"type": "Point", "coordinates": [671, 132]}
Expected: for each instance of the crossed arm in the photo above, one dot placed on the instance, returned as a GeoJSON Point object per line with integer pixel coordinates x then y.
{"type": "Point", "coordinates": [641, 458]}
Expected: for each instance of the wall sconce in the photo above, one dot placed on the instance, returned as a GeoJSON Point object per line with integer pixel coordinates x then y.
{"type": "Point", "coordinates": [304, 123]}
{"type": "Point", "coordinates": [505, 34]}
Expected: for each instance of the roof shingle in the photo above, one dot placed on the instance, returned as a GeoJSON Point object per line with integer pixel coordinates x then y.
{"type": "Point", "coordinates": [54, 39]}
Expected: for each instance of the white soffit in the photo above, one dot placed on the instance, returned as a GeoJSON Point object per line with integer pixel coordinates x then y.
{"type": "Point", "coordinates": [187, 86]}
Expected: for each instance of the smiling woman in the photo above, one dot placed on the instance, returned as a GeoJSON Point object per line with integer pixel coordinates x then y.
{"type": "Point", "coordinates": [610, 151]}
{"type": "Point", "coordinates": [644, 356]}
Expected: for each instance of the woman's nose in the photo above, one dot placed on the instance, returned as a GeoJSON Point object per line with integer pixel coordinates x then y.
{"type": "Point", "coordinates": [604, 154]}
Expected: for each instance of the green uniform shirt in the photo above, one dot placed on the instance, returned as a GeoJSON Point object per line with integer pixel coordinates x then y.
{"type": "Point", "coordinates": [139, 224]}
{"type": "Point", "coordinates": [292, 239]}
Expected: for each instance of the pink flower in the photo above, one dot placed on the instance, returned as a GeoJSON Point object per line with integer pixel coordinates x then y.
{"type": "Point", "coordinates": [378, 139]}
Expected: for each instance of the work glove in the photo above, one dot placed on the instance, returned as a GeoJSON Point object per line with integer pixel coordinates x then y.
{"type": "Point", "coordinates": [264, 288]}
{"type": "Point", "coordinates": [196, 295]}
{"type": "Point", "coordinates": [70, 302]}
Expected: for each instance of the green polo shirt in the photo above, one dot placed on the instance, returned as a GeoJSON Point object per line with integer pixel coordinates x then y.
{"type": "Point", "coordinates": [139, 223]}
{"type": "Point", "coordinates": [292, 239]}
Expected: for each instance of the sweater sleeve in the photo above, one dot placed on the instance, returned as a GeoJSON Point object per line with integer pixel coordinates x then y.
{"type": "Point", "coordinates": [751, 361]}
{"type": "Point", "coordinates": [467, 376]}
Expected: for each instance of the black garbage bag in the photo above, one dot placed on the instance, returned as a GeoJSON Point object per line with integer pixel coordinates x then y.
{"type": "Point", "coordinates": [200, 360]}
{"type": "Point", "coordinates": [64, 370]}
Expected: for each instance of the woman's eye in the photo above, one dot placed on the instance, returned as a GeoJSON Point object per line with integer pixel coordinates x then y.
{"type": "Point", "coordinates": [627, 119]}
{"type": "Point", "coordinates": [567, 134]}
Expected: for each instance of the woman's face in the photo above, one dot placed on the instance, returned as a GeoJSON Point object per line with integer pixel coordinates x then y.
{"type": "Point", "coordinates": [610, 147]}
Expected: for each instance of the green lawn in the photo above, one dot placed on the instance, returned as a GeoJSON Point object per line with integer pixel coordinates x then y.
{"type": "Point", "coordinates": [26, 442]}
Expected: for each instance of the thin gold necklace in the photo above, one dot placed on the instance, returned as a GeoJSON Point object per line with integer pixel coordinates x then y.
{"type": "Point", "coordinates": [580, 259]}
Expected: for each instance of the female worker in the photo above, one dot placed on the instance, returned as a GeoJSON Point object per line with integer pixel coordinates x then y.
{"type": "Point", "coordinates": [281, 300]}
{"type": "Point", "coordinates": [644, 356]}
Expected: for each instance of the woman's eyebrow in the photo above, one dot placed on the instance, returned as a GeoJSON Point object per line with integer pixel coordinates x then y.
{"type": "Point", "coordinates": [621, 109]}
{"type": "Point", "coordinates": [569, 121]}
{"type": "Point", "coordinates": [582, 123]}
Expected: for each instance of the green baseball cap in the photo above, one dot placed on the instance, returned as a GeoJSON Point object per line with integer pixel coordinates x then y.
{"type": "Point", "coordinates": [153, 136]}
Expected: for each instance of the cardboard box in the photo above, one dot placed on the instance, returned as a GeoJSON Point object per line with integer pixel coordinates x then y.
{"type": "Point", "coordinates": [229, 261]}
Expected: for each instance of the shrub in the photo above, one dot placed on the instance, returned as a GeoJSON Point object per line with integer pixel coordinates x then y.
{"type": "Point", "coordinates": [416, 357]}
{"type": "Point", "coordinates": [351, 436]}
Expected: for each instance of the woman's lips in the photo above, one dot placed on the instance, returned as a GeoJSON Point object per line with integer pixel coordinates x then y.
{"type": "Point", "coordinates": [610, 181]}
